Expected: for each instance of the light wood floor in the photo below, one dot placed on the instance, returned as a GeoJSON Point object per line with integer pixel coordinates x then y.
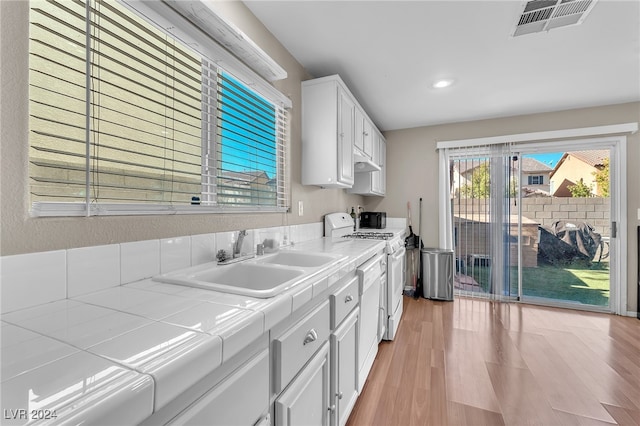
{"type": "Point", "coordinates": [476, 362]}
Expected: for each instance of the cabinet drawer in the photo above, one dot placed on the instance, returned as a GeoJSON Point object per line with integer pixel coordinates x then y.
{"type": "Point", "coordinates": [343, 301]}
{"type": "Point", "coordinates": [297, 345]}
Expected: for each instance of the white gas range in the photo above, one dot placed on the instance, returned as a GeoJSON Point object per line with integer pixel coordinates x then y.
{"type": "Point", "coordinates": [341, 226]}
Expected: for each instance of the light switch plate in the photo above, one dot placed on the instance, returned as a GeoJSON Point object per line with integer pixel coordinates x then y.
{"type": "Point", "coordinates": [638, 214]}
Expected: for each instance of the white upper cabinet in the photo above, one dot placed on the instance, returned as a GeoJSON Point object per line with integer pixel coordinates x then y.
{"type": "Point", "coordinates": [328, 130]}
{"type": "Point", "coordinates": [339, 140]}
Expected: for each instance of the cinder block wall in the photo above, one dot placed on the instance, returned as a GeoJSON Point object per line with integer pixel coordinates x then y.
{"type": "Point", "coordinates": [547, 210]}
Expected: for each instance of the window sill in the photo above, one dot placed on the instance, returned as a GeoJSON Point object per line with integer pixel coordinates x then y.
{"type": "Point", "coordinates": [52, 209]}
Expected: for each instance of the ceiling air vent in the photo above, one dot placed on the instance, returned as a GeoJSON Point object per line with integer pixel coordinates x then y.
{"type": "Point", "coordinates": [544, 15]}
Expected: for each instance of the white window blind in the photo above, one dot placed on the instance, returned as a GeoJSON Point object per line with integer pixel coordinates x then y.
{"type": "Point", "coordinates": [477, 192]}
{"type": "Point", "coordinates": [156, 127]}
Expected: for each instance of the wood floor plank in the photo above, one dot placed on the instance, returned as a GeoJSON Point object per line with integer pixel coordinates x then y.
{"type": "Point", "coordinates": [571, 419]}
{"type": "Point", "coordinates": [522, 400]}
{"type": "Point", "coordinates": [468, 381]}
{"type": "Point", "coordinates": [601, 380]}
{"type": "Point", "coordinates": [465, 415]}
{"type": "Point", "coordinates": [565, 391]}
{"type": "Point", "coordinates": [623, 416]}
{"type": "Point", "coordinates": [479, 362]}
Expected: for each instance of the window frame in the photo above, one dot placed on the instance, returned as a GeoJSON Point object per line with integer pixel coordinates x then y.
{"type": "Point", "coordinates": [539, 178]}
{"type": "Point", "coordinates": [155, 13]}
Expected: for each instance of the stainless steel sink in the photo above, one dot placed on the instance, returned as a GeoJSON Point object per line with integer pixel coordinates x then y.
{"type": "Point", "coordinates": [246, 278]}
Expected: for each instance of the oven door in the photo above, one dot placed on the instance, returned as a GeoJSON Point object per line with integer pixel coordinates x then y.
{"type": "Point", "coordinates": [395, 285]}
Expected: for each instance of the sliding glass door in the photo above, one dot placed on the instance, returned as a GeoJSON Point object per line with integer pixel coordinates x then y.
{"type": "Point", "coordinates": [536, 221]}
{"type": "Point", "coordinates": [568, 203]}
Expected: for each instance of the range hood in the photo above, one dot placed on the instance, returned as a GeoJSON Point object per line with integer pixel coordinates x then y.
{"type": "Point", "coordinates": [364, 164]}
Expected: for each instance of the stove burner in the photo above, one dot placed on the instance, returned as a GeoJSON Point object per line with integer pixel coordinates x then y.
{"type": "Point", "coordinates": [371, 235]}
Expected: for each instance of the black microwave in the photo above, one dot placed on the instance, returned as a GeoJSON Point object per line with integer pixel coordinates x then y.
{"type": "Point", "coordinates": [373, 220]}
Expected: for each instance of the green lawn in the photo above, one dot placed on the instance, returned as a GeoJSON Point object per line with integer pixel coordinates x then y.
{"type": "Point", "coordinates": [577, 283]}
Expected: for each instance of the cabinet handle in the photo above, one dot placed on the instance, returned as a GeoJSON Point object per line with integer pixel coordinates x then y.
{"type": "Point", "coordinates": [310, 337]}
{"type": "Point", "coordinates": [339, 395]}
{"type": "Point", "coordinates": [332, 408]}
{"type": "Point", "coordinates": [348, 299]}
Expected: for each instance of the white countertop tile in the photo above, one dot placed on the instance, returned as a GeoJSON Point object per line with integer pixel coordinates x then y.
{"type": "Point", "coordinates": [175, 357]}
{"type": "Point", "coordinates": [139, 302]}
{"type": "Point", "coordinates": [79, 389]}
{"type": "Point", "coordinates": [207, 316]}
{"type": "Point", "coordinates": [79, 324]}
{"type": "Point", "coordinates": [236, 327]}
{"type": "Point", "coordinates": [24, 350]}
{"type": "Point", "coordinates": [275, 309]}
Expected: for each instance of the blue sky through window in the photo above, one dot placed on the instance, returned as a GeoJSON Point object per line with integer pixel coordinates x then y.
{"type": "Point", "coordinates": [248, 129]}
{"type": "Point", "coordinates": [548, 158]}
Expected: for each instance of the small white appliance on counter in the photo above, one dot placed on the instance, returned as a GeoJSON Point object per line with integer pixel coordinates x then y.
{"type": "Point", "coordinates": [339, 226]}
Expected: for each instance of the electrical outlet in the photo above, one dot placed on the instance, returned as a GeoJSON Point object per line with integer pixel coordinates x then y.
{"type": "Point", "coordinates": [300, 208]}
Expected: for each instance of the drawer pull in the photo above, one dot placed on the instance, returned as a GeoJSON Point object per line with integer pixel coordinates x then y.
{"type": "Point", "coordinates": [348, 299]}
{"type": "Point", "coordinates": [332, 408]}
{"type": "Point", "coordinates": [339, 395]}
{"type": "Point", "coordinates": [310, 337]}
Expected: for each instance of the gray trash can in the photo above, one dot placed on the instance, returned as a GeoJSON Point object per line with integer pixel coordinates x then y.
{"type": "Point", "coordinates": [437, 273]}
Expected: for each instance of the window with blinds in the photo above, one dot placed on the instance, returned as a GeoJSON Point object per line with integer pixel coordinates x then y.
{"type": "Point", "coordinates": [126, 119]}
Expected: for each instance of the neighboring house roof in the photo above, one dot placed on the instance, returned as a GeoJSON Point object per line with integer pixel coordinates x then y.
{"type": "Point", "coordinates": [248, 175]}
{"type": "Point", "coordinates": [594, 158]}
{"type": "Point", "coordinates": [529, 165]}
{"type": "Point", "coordinates": [244, 177]}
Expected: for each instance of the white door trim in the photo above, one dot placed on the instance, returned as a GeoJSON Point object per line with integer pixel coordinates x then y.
{"type": "Point", "coordinates": [546, 135]}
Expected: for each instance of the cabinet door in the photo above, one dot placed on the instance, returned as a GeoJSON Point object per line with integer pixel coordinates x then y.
{"type": "Point", "coordinates": [367, 138]}
{"type": "Point", "coordinates": [346, 132]}
{"type": "Point", "coordinates": [359, 130]}
{"type": "Point", "coordinates": [376, 177]}
{"type": "Point", "coordinates": [241, 399]}
{"type": "Point", "coordinates": [344, 368]}
{"type": "Point", "coordinates": [383, 165]}
{"type": "Point", "coordinates": [306, 400]}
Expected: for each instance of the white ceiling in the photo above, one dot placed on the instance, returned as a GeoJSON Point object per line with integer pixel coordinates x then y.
{"type": "Point", "coordinates": [390, 52]}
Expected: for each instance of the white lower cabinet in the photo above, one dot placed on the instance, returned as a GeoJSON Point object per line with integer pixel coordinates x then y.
{"type": "Point", "coordinates": [344, 368]}
{"type": "Point", "coordinates": [306, 399]}
{"type": "Point", "coordinates": [240, 399]}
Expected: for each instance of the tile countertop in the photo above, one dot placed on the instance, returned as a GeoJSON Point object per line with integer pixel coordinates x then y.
{"type": "Point", "coordinates": [117, 355]}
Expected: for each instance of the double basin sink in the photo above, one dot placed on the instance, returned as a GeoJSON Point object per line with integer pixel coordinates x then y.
{"type": "Point", "coordinates": [262, 277]}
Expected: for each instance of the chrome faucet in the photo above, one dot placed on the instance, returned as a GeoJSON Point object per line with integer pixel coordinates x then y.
{"type": "Point", "coordinates": [238, 244]}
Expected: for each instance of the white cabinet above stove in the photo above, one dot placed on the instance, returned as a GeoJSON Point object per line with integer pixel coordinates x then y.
{"type": "Point", "coordinates": [328, 129]}
{"type": "Point", "coordinates": [339, 140]}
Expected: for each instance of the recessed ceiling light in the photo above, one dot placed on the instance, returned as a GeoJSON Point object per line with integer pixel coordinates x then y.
{"type": "Point", "coordinates": [441, 84]}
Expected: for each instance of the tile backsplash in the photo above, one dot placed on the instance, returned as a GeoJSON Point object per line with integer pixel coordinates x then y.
{"type": "Point", "coordinates": [35, 278]}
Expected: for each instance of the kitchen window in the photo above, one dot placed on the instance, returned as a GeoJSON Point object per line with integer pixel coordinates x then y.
{"type": "Point", "coordinates": [133, 120]}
